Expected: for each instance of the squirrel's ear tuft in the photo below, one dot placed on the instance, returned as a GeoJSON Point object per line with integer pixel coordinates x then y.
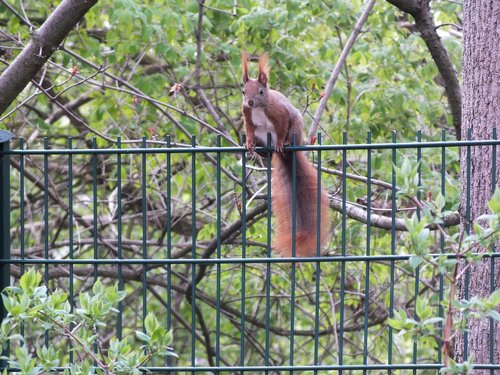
{"type": "Point", "coordinates": [244, 66]}
{"type": "Point", "coordinates": [264, 69]}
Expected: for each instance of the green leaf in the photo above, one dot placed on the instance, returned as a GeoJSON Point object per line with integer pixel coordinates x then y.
{"type": "Point", "coordinates": [16, 310]}
{"type": "Point", "coordinates": [151, 323]}
{"type": "Point", "coordinates": [406, 167]}
{"type": "Point", "coordinates": [432, 321]}
{"type": "Point", "coordinates": [440, 201]}
{"type": "Point", "coordinates": [142, 336]}
{"type": "Point", "coordinates": [30, 280]}
{"type": "Point", "coordinates": [97, 288]}
{"type": "Point", "coordinates": [494, 297]}
{"type": "Point", "coordinates": [494, 314]}
{"type": "Point", "coordinates": [399, 320]}
{"type": "Point", "coordinates": [168, 338]}
{"type": "Point", "coordinates": [7, 303]}
{"type": "Point", "coordinates": [494, 203]}
{"type": "Point", "coordinates": [170, 353]}
{"type": "Point", "coordinates": [416, 261]}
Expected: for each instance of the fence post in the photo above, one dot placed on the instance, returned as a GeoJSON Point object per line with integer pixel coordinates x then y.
{"type": "Point", "coordinates": [5, 138]}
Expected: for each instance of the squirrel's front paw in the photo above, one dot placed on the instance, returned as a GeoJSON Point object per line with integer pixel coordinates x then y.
{"type": "Point", "coordinates": [280, 148]}
{"type": "Point", "coordinates": [250, 147]}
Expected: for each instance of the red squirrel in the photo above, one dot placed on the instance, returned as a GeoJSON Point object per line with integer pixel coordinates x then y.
{"type": "Point", "coordinates": [268, 111]}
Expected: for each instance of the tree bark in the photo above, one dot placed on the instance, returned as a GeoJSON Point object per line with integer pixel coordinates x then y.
{"type": "Point", "coordinates": [42, 45]}
{"type": "Point", "coordinates": [481, 113]}
{"type": "Point", "coordinates": [420, 10]}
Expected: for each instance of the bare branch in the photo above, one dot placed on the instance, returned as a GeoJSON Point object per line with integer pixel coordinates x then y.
{"type": "Point", "coordinates": [408, 6]}
{"type": "Point", "coordinates": [421, 12]}
{"type": "Point", "coordinates": [385, 222]}
{"type": "Point", "coordinates": [159, 105]}
{"type": "Point", "coordinates": [338, 67]}
{"type": "Point", "coordinates": [42, 45]}
{"type": "Point", "coordinates": [71, 106]}
{"type": "Point", "coordinates": [197, 69]}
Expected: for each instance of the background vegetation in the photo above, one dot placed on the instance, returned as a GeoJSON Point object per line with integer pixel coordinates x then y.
{"type": "Point", "coordinates": [154, 73]}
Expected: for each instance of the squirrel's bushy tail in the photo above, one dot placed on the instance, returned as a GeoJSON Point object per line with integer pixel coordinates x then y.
{"type": "Point", "coordinates": [306, 200]}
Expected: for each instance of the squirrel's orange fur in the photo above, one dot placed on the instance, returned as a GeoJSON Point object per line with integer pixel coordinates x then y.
{"type": "Point", "coordinates": [269, 111]}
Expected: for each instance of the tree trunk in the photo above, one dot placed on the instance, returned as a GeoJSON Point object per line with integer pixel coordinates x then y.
{"type": "Point", "coordinates": [424, 22]}
{"type": "Point", "coordinates": [481, 113]}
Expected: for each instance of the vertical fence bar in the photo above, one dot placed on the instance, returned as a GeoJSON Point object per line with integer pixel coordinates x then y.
{"type": "Point", "coordinates": [21, 208]}
{"type": "Point", "coordinates": [169, 241]}
{"type": "Point", "coordinates": [70, 235]}
{"type": "Point", "coordinates": [318, 264]}
{"type": "Point", "coordinates": [218, 266]}
{"type": "Point", "coordinates": [393, 250]}
{"type": "Point", "coordinates": [94, 214]}
{"type": "Point", "coordinates": [46, 218]}
{"type": "Point", "coordinates": [94, 206]}
{"type": "Point", "coordinates": [5, 138]}
{"type": "Point", "coordinates": [243, 252]}
{"type": "Point", "coordinates": [342, 264]}
{"type": "Point", "coordinates": [467, 231]}
{"type": "Point", "coordinates": [442, 249]}
{"type": "Point", "coordinates": [419, 172]}
{"type": "Point", "coordinates": [268, 254]}
{"type": "Point", "coordinates": [492, 259]}
{"type": "Point", "coordinates": [368, 248]}
{"type": "Point", "coordinates": [417, 270]}
{"type": "Point", "coordinates": [294, 251]}
{"type": "Point", "coordinates": [22, 216]}
{"type": "Point", "coordinates": [119, 230]}
{"type": "Point", "coordinates": [193, 252]}
{"type": "Point", "coordinates": [318, 201]}
{"type": "Point", "coordinates": [46, 212]}
{"type": "Point", "coordinates": [144, 210]}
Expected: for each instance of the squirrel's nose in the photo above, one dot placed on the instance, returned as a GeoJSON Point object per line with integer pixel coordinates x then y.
{"type": "Point", "coordinates": [250, 102]}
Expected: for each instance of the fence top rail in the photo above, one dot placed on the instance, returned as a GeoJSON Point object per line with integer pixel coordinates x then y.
{"type": "Point", "coordinates": [205, 149]}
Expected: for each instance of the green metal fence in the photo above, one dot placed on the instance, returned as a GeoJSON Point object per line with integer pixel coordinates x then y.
{"type": "Point", "coordinates": [186, 230]}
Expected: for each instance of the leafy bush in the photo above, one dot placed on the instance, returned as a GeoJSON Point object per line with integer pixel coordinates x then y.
{"type": "Point", "coordinates": [472, 248]}
{"type": "Point", "coordinates": [31, 302]}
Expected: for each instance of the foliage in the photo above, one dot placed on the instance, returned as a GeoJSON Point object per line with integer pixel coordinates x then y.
{"type": "Point", "coordinates": [440, 330]}
{"type": "Point", "coordinates": [132, 70]}
{"type": "Point", "coordinates": [388, 83]}
{"type": "Point", "coordinates": [32, 306]}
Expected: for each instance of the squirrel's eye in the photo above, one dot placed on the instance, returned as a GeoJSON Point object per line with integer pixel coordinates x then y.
{"type": "Point", "coordinates": [243, 92]}
{"type": "Point", "coordinates": [261, 92]}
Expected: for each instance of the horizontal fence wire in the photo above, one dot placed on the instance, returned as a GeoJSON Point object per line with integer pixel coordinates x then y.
{"type": "Point", "coordinates": [193, 149]}
{"type": "Point", "coordinates": [186, 231]}
{"type": "Point", "coordinates": [322, 259]}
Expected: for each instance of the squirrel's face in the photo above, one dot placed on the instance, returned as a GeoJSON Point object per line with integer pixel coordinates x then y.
{"type": "Point", "coordinates": [255, 94]}
{"type": "Point", "coordinates": [255, 91]}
